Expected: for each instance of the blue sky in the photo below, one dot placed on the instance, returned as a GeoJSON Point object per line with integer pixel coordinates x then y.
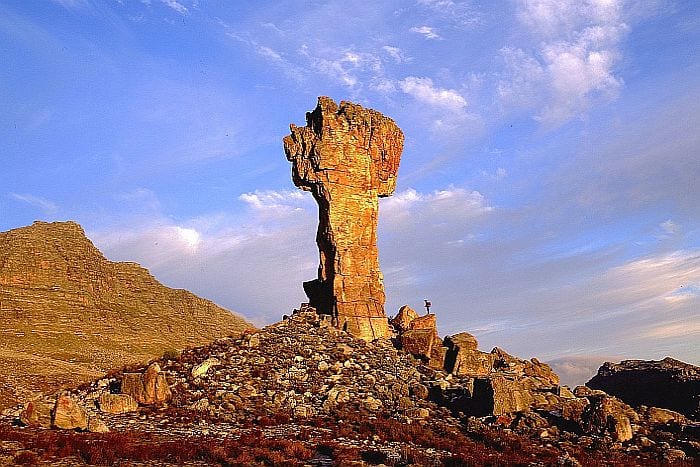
{"type": "Point", "coordinates": [547, 198]}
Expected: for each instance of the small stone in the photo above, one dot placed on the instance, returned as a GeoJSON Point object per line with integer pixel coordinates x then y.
{"type": "Point", "coordinates": [418, 413]}
{"type": "Point", "coordinates": [96, 425]}
{"type": "Point", "coordinates": [203, 368]}
{"type": "Point", "coordinates": [420, 391]}
{"type": "Point", "coordinates": [372, 404]}
{"type": "Point", "coordinates": [674, 455]}
{"type": "Point", "coordinates": [202, 405]}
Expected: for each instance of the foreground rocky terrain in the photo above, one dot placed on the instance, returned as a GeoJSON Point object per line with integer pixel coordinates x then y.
{"type": "Point", "coordinates": [67, 314]}
{"type": "Point", "coordinates": [302, 392]}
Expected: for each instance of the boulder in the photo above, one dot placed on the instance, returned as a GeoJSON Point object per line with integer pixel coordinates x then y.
{"type": "Point", "coordinates": [149, 388]}
{"type": "Point", "coordinates": [428, 321]}
{"type": "Point", "coordinates": [418, 342]}
{"type": "Point", "coordinates": [68, 415]}
{"type": "Point", "coordinates": [469, 363]}
{"type": "Point", "coordinates": [117, 403]}
{"type": "Point", "coordinates": [37, 413]}
{"type": "Point", "coordinates": [402, 321]}
{"type": "Point", "coordinates": [601, 414]}
{"type": "Point", "coordinates": [658, 416]}
{"type": "Point", "coordinates": [509, 396]}
{"type": "Point", "coordinates": [462, 341]}
{"type": "Point", "coordinates": [463, 358]}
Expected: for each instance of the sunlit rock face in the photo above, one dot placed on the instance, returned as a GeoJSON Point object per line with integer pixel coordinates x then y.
{"type": "Point", "coordinates": [347, 157]}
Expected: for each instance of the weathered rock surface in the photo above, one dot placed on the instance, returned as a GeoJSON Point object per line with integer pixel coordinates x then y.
{"type": "Point", "coordinates": [667, 383]}
{"type": "Point", "coordinates": [117, 403]}
{"type": "Point", "coordinates": [403, 319]}
{"type": "Point", "coordinates": [37, 413]}
{"type": "Point", "coordinates": [68, 414]}
{"type": "Point", "coordinates": [149, 388]}
{"type": "Point", "coordinates": [494, 383]}
{"type": "Point", "coordinates": [68, 315]}
{"type": "Point", "coordinates": [347, 157]}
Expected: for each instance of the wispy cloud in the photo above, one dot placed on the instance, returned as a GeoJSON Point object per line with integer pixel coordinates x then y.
{"type": "Point", "coordinates": [46, 206]}
{"type": "Point", "coordinates": [461, 14]}
{"type": "Point", "coordinates": [72, 4]}
{"type": "Point", "coordinates": [345, 65]}
{"type": "Point", "coordinates": [669, 227]}
{"type": "Point", "coordinates": [428, 32]}
{"type": "Point", "coordinates": [175, 5]}
{"type": "Point", "coordinates": [395, 53]}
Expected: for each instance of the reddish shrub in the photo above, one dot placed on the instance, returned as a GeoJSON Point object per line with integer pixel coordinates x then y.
{"type": "Point", "coordinates": [26, 458]}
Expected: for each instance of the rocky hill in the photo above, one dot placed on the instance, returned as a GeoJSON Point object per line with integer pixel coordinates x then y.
{"type": "Point", "coordinates": [302, 392]}
{"type": "Point", "coordinates": [667, 383]}
{"type": "Point", "coordinates": [67, 314]}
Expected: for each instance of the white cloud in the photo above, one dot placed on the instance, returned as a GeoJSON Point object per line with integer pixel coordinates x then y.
{"type": "Point", "coordinates": [175, 5]}
{"type": "Point", "coordinates": [347, 66]}
{"type": "Point", "coordinates": [669, 227]}
{"type": "Point", "coordinates": [423, 90]}
{"type": "Point", "coordinates": [269, 53]}
{"type": "Point", "coordinates": [460, 13]}
{"type": "Point", "coordinates": [395, 53]}
{"type": "Point", "coordinates": [574, 62]}
{"type": "Point", "coordinates": [554, 18]}
{"type": "Point", "coordinates": [576, 370]}
{"type": "Point", "coordinates": [427, 32]}
{"type": "Point", "coordinates": [72, 4]}
{"type": "Point", "coordinates": [432, 208]}
{"type": "Point", "coordinates": [272, 203]}
{"type": "Point", "coordinates": [48, 207]}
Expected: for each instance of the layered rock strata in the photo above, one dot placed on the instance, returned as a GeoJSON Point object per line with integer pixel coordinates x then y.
{"type": "Point", "coordinates": [347, 157]}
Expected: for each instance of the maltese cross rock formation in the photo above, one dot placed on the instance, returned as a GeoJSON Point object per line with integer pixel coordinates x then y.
{"type": "Point", "coordinates": [347, 157]}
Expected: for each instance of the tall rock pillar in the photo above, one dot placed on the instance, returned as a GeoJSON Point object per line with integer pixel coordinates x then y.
{"type": "Point", "coordinates": [347, 157]}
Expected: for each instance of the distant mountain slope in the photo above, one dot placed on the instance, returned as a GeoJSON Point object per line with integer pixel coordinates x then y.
{"type": "Point", "coordinates": [67, 314]}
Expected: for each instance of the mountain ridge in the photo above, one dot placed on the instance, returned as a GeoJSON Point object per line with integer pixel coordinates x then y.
{"type": "Point", "coordinates": [68, 314]}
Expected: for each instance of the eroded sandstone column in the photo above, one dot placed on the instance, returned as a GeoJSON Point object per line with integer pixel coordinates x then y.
{"type": "Point", "coordinates": [347, 157]}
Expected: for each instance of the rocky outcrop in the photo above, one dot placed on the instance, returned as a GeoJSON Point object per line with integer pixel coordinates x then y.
{"type": "Point", "coordinates": [494, 383]}
{"type": "Point", "coordinates": [67, 314]}
{"type": "Point", "coordinates": [667, 383]}
{"type": "Point", "coordinates": [149, 388]}
{"type": "Point", "coordinates": [347, 157]}
{"type": "Point", "coordinates": [304, 376]}
{"type": "Point", "coordinates": [418, 336]}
